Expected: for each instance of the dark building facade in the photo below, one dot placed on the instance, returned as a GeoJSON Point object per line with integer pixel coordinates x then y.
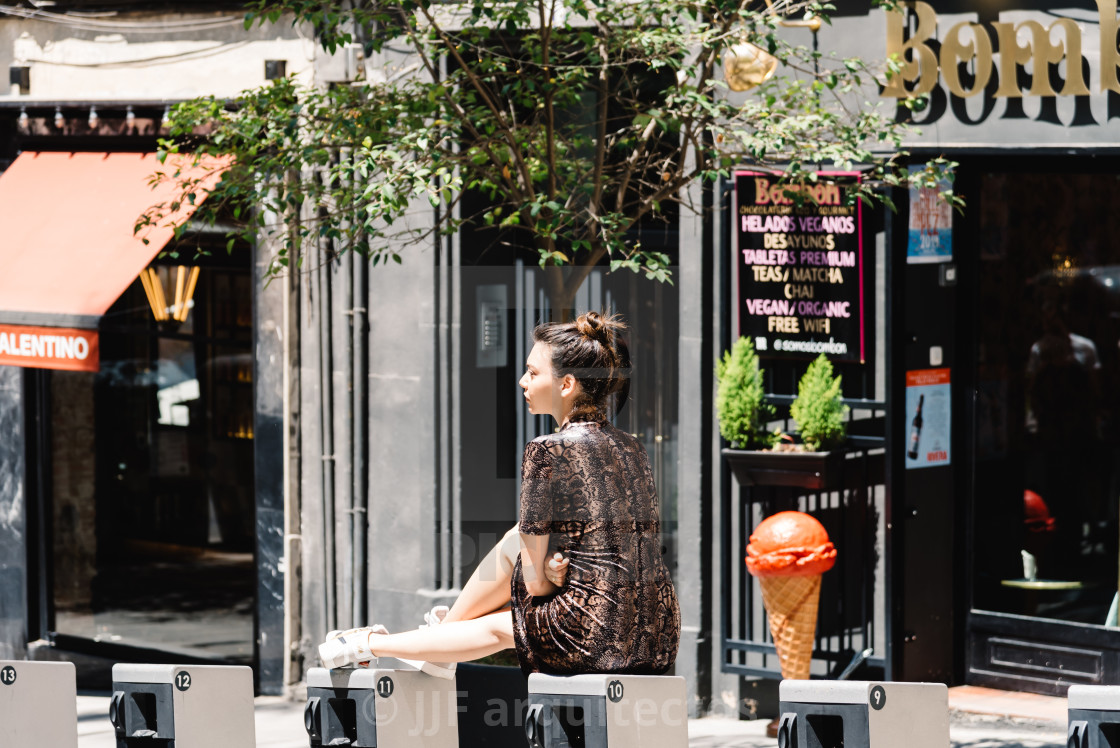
{"type": "Point", "coordinates": [340, 446]}
{"type": "Point", "coordinates": [1001, 316]}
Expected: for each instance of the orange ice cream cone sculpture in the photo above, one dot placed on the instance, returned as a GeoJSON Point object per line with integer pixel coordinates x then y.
{"type": "Point", "coordinates": [788, 552]}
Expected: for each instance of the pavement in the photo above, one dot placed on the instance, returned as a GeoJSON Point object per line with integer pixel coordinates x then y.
{"type": "Point", "coordinates": [989, 718]}
{"type": "Point", "coordinates": [979, 718]}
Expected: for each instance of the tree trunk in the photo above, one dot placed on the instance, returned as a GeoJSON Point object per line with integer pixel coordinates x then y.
{"type": "Point", "coordinates": [561, 300]}
{"type": "Point", "coordinates": [561, 305]}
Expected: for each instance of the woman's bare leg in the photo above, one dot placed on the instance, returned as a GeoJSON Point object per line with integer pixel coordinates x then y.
{"type": "Point", "coordinates": [451, 641]}
{"type": "Point", "coordinates": [485, 598]}
{"type": "Point", "coordinates": [488, 589]}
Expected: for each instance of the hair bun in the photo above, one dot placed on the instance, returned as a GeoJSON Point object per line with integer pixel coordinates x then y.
{"type": "Point", "coordinates": [590, 325]}
{"type": "Point", "coordinates": [602, 329]}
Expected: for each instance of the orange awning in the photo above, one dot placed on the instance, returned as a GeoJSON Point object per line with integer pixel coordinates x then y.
{"type": "Point", "coordinates": [67, 248]}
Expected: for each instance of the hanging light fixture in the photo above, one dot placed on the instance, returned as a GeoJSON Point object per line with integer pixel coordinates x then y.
{"type": "Point", "coordinates": [153, 280]}
{"type": "Point", "coordinates": [1065, 267]}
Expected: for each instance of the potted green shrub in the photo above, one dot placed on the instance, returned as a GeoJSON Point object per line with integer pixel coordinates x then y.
{"type": "Point", "coordinates": [758, 456]}
{"type": "Point", "coordinates": [822, 417]}
{"type": "Point", "coordinates": [741, 398]}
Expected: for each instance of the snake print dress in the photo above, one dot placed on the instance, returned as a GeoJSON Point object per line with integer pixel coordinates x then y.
{"type": "Point", "coordinates": [590, 488]}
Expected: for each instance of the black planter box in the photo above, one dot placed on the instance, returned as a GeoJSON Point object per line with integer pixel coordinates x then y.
{"type": "Point", "coordinates": [492, 704]}
{"type": "Point", "coordinates": [810, 470]}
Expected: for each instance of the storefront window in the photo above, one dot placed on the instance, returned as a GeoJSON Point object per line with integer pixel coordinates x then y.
{"type": "Point", "coordinates": [1047, 431]}
{"type": "Point", "coordinates": [152, 466]}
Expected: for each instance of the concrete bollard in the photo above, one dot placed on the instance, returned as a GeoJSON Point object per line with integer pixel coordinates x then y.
{"type": "Point", "coordinates": [368, 707]}
{"type": "Point", "coordinates": [38, 704]}
{"type": "Point", "coordinates": [858, 714]}
{"type": "Point", "coordinates": [1094, 716]}
{"type": "Point", "coordinates": [607, 711]}
{"type": "Point", "coordinates": [183, 706]}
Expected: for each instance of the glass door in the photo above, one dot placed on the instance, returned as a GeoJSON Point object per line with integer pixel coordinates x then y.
{"type": "Point", "coordinates": [1046, 428]}
{"type": "Point", "coordinates": [152, 479]}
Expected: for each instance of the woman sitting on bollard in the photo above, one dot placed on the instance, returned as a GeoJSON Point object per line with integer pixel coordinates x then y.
{"type": "Point", "coordinates": [579, 586]}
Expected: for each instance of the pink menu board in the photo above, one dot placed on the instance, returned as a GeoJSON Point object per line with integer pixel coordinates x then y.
{"type": "Point", "coordinates": [800, 266]}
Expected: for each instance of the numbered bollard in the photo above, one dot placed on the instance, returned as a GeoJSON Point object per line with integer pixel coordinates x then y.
{"type": "Point", "coordinates": [368, 707]}
{"type": "Point", "coordinates": [182, 706]}
{"type": "Point", "coordinates": [858, 714]}
{"type": "Point", "coordinates": [38, 704]}
{"type": "Point", "coordinates": [1094, 716]}
{"type": "Point", "coordinates": [607, 711]}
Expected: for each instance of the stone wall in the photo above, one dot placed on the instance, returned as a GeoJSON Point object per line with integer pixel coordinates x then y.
{"type": "Point", "coordinates": [13, 520]}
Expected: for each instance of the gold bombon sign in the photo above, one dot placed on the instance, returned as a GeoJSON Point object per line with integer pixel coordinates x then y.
{"type": "Point", "coordinates": [969, 42]}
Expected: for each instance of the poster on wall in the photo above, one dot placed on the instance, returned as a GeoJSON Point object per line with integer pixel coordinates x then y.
{"type": "Point", "coordinates": [800, 267]}
{"type": "Point", "coordinates": [931, 223]}
{"type": "Point", "coordinates": [928, 394]}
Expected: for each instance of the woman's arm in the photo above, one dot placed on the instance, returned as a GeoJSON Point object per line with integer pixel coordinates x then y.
{"type": "Point", "coordinates": [534, 556]}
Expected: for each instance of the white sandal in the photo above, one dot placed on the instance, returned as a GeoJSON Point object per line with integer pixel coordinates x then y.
{"type": "Point", "coordinates": [349, 648]}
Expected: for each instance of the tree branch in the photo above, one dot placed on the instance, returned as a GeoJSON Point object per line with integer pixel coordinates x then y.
{"type": "Point", "coordinates": [476, 83]}
{"type": "Point", "coordinates": [464, 118]}
{"type": "Point", "coordinates": [549, 96]}
{"type": "Point", "coordinates": [603, 105]}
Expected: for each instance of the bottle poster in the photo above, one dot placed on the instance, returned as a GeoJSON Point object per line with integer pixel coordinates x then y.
{"type": "Point", "coordinates": [928, 418]}
{"type": "Point", "coordinates": [931, 224]}
{"type": "Point", "coordinates": [800, 266]}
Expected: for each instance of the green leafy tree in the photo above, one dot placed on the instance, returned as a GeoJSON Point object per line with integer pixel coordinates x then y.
{"type": "Point", "coordinates": [576, 121]}
{"type": "Point", "coordinates": [821, 416]}
{"type": "Point", "coordinates": [741, 398]}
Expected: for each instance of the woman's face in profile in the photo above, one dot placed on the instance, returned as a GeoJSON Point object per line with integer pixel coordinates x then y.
{"type": "Point", "coordinates": [542, 389]}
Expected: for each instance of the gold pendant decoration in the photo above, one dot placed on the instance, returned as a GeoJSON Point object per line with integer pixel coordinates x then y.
{"type": "Point", "coordinates": [746, 66]}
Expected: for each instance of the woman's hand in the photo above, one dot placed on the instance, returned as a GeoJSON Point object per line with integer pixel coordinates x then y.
{"type": "Point", "coordinates": [539, 569]}
{"type": "Point", "coordinates": [556, 570]}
